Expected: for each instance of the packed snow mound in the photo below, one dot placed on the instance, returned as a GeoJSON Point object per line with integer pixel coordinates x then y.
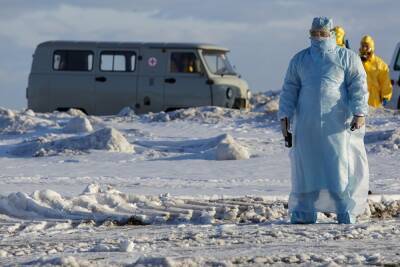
{"type": "Point", "coordinates": [29, 112]}
{"type": "Point", "coordinates": [127, 112]}
{"type": "Point", "coordinates": [76, 112]}
{"type": "Point", "coordinates": [104, 139]}
{"type": "Point", "coordinates": [13, 122]}
{"type": "Point", "coordinates": [78, 125]}
{"type": "Point", "coordinates": [229, 149]}
{"type": "Point", "coordinates": [106, 204]}
{"type": "Point", "coordinates": [265, 102]}
{"type": "Point", "coordinates": [221, 147]}
{"type": "Point", "coordinates": [109, 139]}
{"type": "Point", "coordinates": [207, 114]}
{"type": "Point", "coordinates": [383, 141]}
{"type": "Point", "coordinates": [382, 112]}
{"type": "Point", "coordinates": [61, 261]}
{"type": "Point", "coordinates": [393, 142]}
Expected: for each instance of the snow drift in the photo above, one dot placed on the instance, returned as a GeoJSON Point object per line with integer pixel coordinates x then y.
{"type": "Point", "coordinates": [221, 147]}
{"type": "Point", "coordinates": [104, 203]}
{"type": "Point", "coordinates": [78, 125]}
{"type": "Point", "coordinates": [229, 149]}
{"type": "Point", "coordinates": [104, 139]}
{"type": "Point", "coordinates": [265, 102]}
{"type": "Point", "coordinates": [209, 115]}
{"type": "Point", "coordinates": [13, 122]}
{"type": "Point", "coordinates": [383, 140]}
{"type": "Point", "coordinates": [127, 112]}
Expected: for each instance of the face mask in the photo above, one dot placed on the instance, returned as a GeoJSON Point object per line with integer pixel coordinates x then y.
{"type": "Point", "coordinates": [323, 43]}
{"type": "Point", "coordinates": [365, 53]}
{"type": "Point", "coordinates": [319, 38]}
{"type": "Point", "coordinates": [365, 56]}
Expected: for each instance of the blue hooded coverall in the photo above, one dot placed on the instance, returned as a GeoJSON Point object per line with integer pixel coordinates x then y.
{"type": "Point", "coordinates": [324, 87]}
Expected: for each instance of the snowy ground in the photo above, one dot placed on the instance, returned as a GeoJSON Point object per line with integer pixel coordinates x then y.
{"type": "Point", "coordinates": [159, 189]}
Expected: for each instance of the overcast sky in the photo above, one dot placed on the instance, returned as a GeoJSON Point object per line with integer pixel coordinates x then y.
{"type": "Point", "coordinates": [262, 34]}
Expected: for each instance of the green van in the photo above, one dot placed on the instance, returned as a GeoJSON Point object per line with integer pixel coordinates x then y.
{"type": "Point", "coordinates": [101, 78]}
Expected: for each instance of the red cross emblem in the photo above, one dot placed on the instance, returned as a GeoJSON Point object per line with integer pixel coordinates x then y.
{"type": "Point", "coordinates": [152, 62]}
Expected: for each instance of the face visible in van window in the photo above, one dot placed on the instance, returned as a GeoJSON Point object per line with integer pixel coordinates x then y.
{"type": "Point", "coordinates": [183, 62]}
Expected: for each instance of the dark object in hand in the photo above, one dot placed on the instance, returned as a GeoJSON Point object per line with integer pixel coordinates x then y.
{"type": "Point", "coordinates": [288, 139]}
{"type": "Point", "coordinates": [287, 134]}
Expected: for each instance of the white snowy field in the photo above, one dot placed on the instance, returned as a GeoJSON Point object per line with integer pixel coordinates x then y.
{"type": "Point", "coordinates": [197, 187]}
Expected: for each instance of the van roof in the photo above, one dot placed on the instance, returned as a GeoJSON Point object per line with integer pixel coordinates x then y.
{"type": "Point", "coordinates": [80, 44]}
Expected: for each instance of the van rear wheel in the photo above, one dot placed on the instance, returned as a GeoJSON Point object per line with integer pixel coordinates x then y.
{"type": "Point", "coordinates": [173, 109]}
{"type": "Point", "coordinates": [67, 109]}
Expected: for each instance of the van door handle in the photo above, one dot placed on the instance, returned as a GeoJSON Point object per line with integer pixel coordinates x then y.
{"type": "Point", "coordinates": [101, 79]}
{"type": "Point", "coordinates": [170, 80]}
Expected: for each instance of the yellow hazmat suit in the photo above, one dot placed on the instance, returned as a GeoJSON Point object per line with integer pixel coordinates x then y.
{"type": "Point", "coordinates": [340, 33]}
{"type": "Point", "coordinates": [378, 78]}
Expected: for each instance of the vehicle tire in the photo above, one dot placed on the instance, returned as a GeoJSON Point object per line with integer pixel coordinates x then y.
{"type": "Point", "coordinates": [172, 109]}
{"type": "Point", "coordinates": [67, 109]}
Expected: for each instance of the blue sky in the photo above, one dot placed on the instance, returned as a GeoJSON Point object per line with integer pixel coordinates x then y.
{"type": "Point", "coordinates": [263, 35]}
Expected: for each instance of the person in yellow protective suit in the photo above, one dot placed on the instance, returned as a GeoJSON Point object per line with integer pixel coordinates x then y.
{"type": "Point", "coordinates": [378, 78]}
{"type": "Point", "coordinates": [340, 33]}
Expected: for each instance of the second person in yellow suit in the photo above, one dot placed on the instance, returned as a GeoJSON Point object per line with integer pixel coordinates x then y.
{"type": "Point", "coordinates": [340, 34]}
{"type": "Point", "coordinates": [378, 78]}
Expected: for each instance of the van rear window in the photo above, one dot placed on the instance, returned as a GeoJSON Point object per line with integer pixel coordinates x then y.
{"type": "Point", "coordinates": [73, 60]}
{"type": "Point", "coordinates": [118, 61]}
{"type": "Point", "coordinates": [397, 62]}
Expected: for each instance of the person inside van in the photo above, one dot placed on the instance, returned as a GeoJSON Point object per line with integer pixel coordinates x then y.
{"type": "Point", "coordinates": [183, 62]}
{"type": "Point", "coordinates": [189, 65]}
{"type": "Point", "coordinates": [378, 78]}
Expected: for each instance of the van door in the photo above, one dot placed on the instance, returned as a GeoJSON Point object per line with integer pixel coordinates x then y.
{"type": "Point", "coordinates": [116, 80]}
{"type": "Point", "coordinates": [71, 83]}
{"type": "Point", "coordinates": [150, 95]}
{"type": "Point", "coordinates": [394, 103]}
{"type": "Point", "coordinates": [185, 81]}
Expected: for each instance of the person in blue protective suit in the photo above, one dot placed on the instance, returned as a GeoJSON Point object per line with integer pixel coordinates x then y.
{"type": "Point", "coordinates": [325, 97]}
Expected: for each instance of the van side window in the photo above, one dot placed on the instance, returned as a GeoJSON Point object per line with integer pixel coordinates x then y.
{"type": "Point", "coordinates": [73, 60]}
{"type": "Point", "coordinates": [118, 61]}
{"type": "Point", "coordinates": [183, 62]}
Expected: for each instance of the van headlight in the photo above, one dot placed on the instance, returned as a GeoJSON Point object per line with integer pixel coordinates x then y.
{"type": "Point", "coordinates": [229, 93]}
{"type": "Point", "coordinates": [248, 94]}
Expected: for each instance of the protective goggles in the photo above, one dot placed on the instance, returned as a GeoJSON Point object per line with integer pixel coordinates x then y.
{"type": "Point", "coordinates": [320, 33]}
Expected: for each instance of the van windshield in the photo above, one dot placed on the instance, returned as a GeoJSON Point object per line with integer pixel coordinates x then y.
{"type": "Point", "coordinates": [218, 63]}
